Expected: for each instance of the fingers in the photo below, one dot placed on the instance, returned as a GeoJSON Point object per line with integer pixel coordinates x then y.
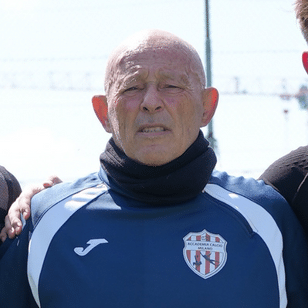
{"type": "Point", "coordinates": [13, 226]}
{"type": "Point", "coordinates": [21, 206]}
{"type": "Point", "coordinates": [8, 230]}
{"type": "Point", "coordinates": [52, 180]}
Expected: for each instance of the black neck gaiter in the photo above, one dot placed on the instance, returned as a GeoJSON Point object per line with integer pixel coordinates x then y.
{"type": "Point", "coordinates": [177, 181]}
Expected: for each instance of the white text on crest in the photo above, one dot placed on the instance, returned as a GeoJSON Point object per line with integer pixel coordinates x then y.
{"type": "Point", "coordinates": [198, 245]}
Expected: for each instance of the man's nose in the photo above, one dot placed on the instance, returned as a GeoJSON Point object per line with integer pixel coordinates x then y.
{"type": "Point", "coordinates": [152, 100]}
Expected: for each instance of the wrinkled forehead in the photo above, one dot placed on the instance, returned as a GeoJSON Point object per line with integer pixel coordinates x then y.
{"type": "Point", "coordinates": [162, 59]}
{"type": "Point", "coordinates": [168, 58]}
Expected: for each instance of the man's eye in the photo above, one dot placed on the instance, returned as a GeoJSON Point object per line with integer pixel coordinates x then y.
{"type": "Point", "coordinates": [130, 89]}
{"type": "Point", "coordinates": [171, 86]}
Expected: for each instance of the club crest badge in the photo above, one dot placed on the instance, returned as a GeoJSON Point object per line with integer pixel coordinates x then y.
{"type": "Point", "coordinates": [205, 253]}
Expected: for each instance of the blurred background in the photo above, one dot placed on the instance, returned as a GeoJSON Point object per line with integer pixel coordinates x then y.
{"type": "Point", "coordinates": [52, 60]}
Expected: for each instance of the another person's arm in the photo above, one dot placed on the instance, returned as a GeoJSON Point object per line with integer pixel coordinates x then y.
{"type": "Point", "coordinates": [21, 206]}
{"type": "Point", "coordinates": [289, 176]}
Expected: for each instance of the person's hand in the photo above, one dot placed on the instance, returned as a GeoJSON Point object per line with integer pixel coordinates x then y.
{"type": "Point", "coordinates": [21, 206]}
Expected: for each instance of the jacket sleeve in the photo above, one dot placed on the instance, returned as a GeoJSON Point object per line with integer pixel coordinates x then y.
{"type": "Point", "coordinates": [289, 176]}
{"type": "Point", "coordinates": [14, 287]}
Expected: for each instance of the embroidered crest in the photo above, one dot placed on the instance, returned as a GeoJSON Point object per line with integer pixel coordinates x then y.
{"type": "Point", "coordinates": [205, 253]}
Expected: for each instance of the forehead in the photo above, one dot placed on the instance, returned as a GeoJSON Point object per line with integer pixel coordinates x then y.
{"type": "Point", "coordinates": [161, 61]}
{"type": "Point", "coordinates": [158, 56]}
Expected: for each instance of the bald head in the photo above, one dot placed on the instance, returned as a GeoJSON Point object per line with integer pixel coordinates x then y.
{"type": "Point", "coordinates": [301, 10]}
{"type": "Point", "coordinates": [152, 40]}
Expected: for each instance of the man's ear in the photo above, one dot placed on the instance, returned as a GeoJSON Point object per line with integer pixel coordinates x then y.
{"type": "Point", "coordinates": [305, 60]}
{"type": "Point", "coordinates": [210, 101]}
{"type": "Point", "coordinates": [100, 106]}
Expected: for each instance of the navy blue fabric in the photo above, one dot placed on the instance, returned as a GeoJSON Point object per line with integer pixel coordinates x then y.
{"type": "Point", "coordinates": [143, 266]}
{"type": "Point", "coordinates": [177, 181]}
{"type": "Point", "coordinates": [14, 286]}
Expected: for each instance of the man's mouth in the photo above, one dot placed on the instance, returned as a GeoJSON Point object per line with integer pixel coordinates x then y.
{"type": "Point", "coordinates": [153, 129]}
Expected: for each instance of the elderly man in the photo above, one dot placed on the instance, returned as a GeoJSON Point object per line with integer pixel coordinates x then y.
{"type": "Point", "coordinates": [155, 226]}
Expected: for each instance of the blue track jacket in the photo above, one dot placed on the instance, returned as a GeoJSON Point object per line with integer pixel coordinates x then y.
{"type": "Point", "coordinates": [236, 245]}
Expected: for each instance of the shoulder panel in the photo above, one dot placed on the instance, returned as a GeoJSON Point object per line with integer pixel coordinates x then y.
{"type": "Point", "coordinates": [41, 202]}
{"type": "Point", "coordinates": [48, 226]}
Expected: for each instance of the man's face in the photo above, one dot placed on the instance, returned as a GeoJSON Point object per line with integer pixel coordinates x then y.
{"type": "Point", "coordinates": [155, 105]}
